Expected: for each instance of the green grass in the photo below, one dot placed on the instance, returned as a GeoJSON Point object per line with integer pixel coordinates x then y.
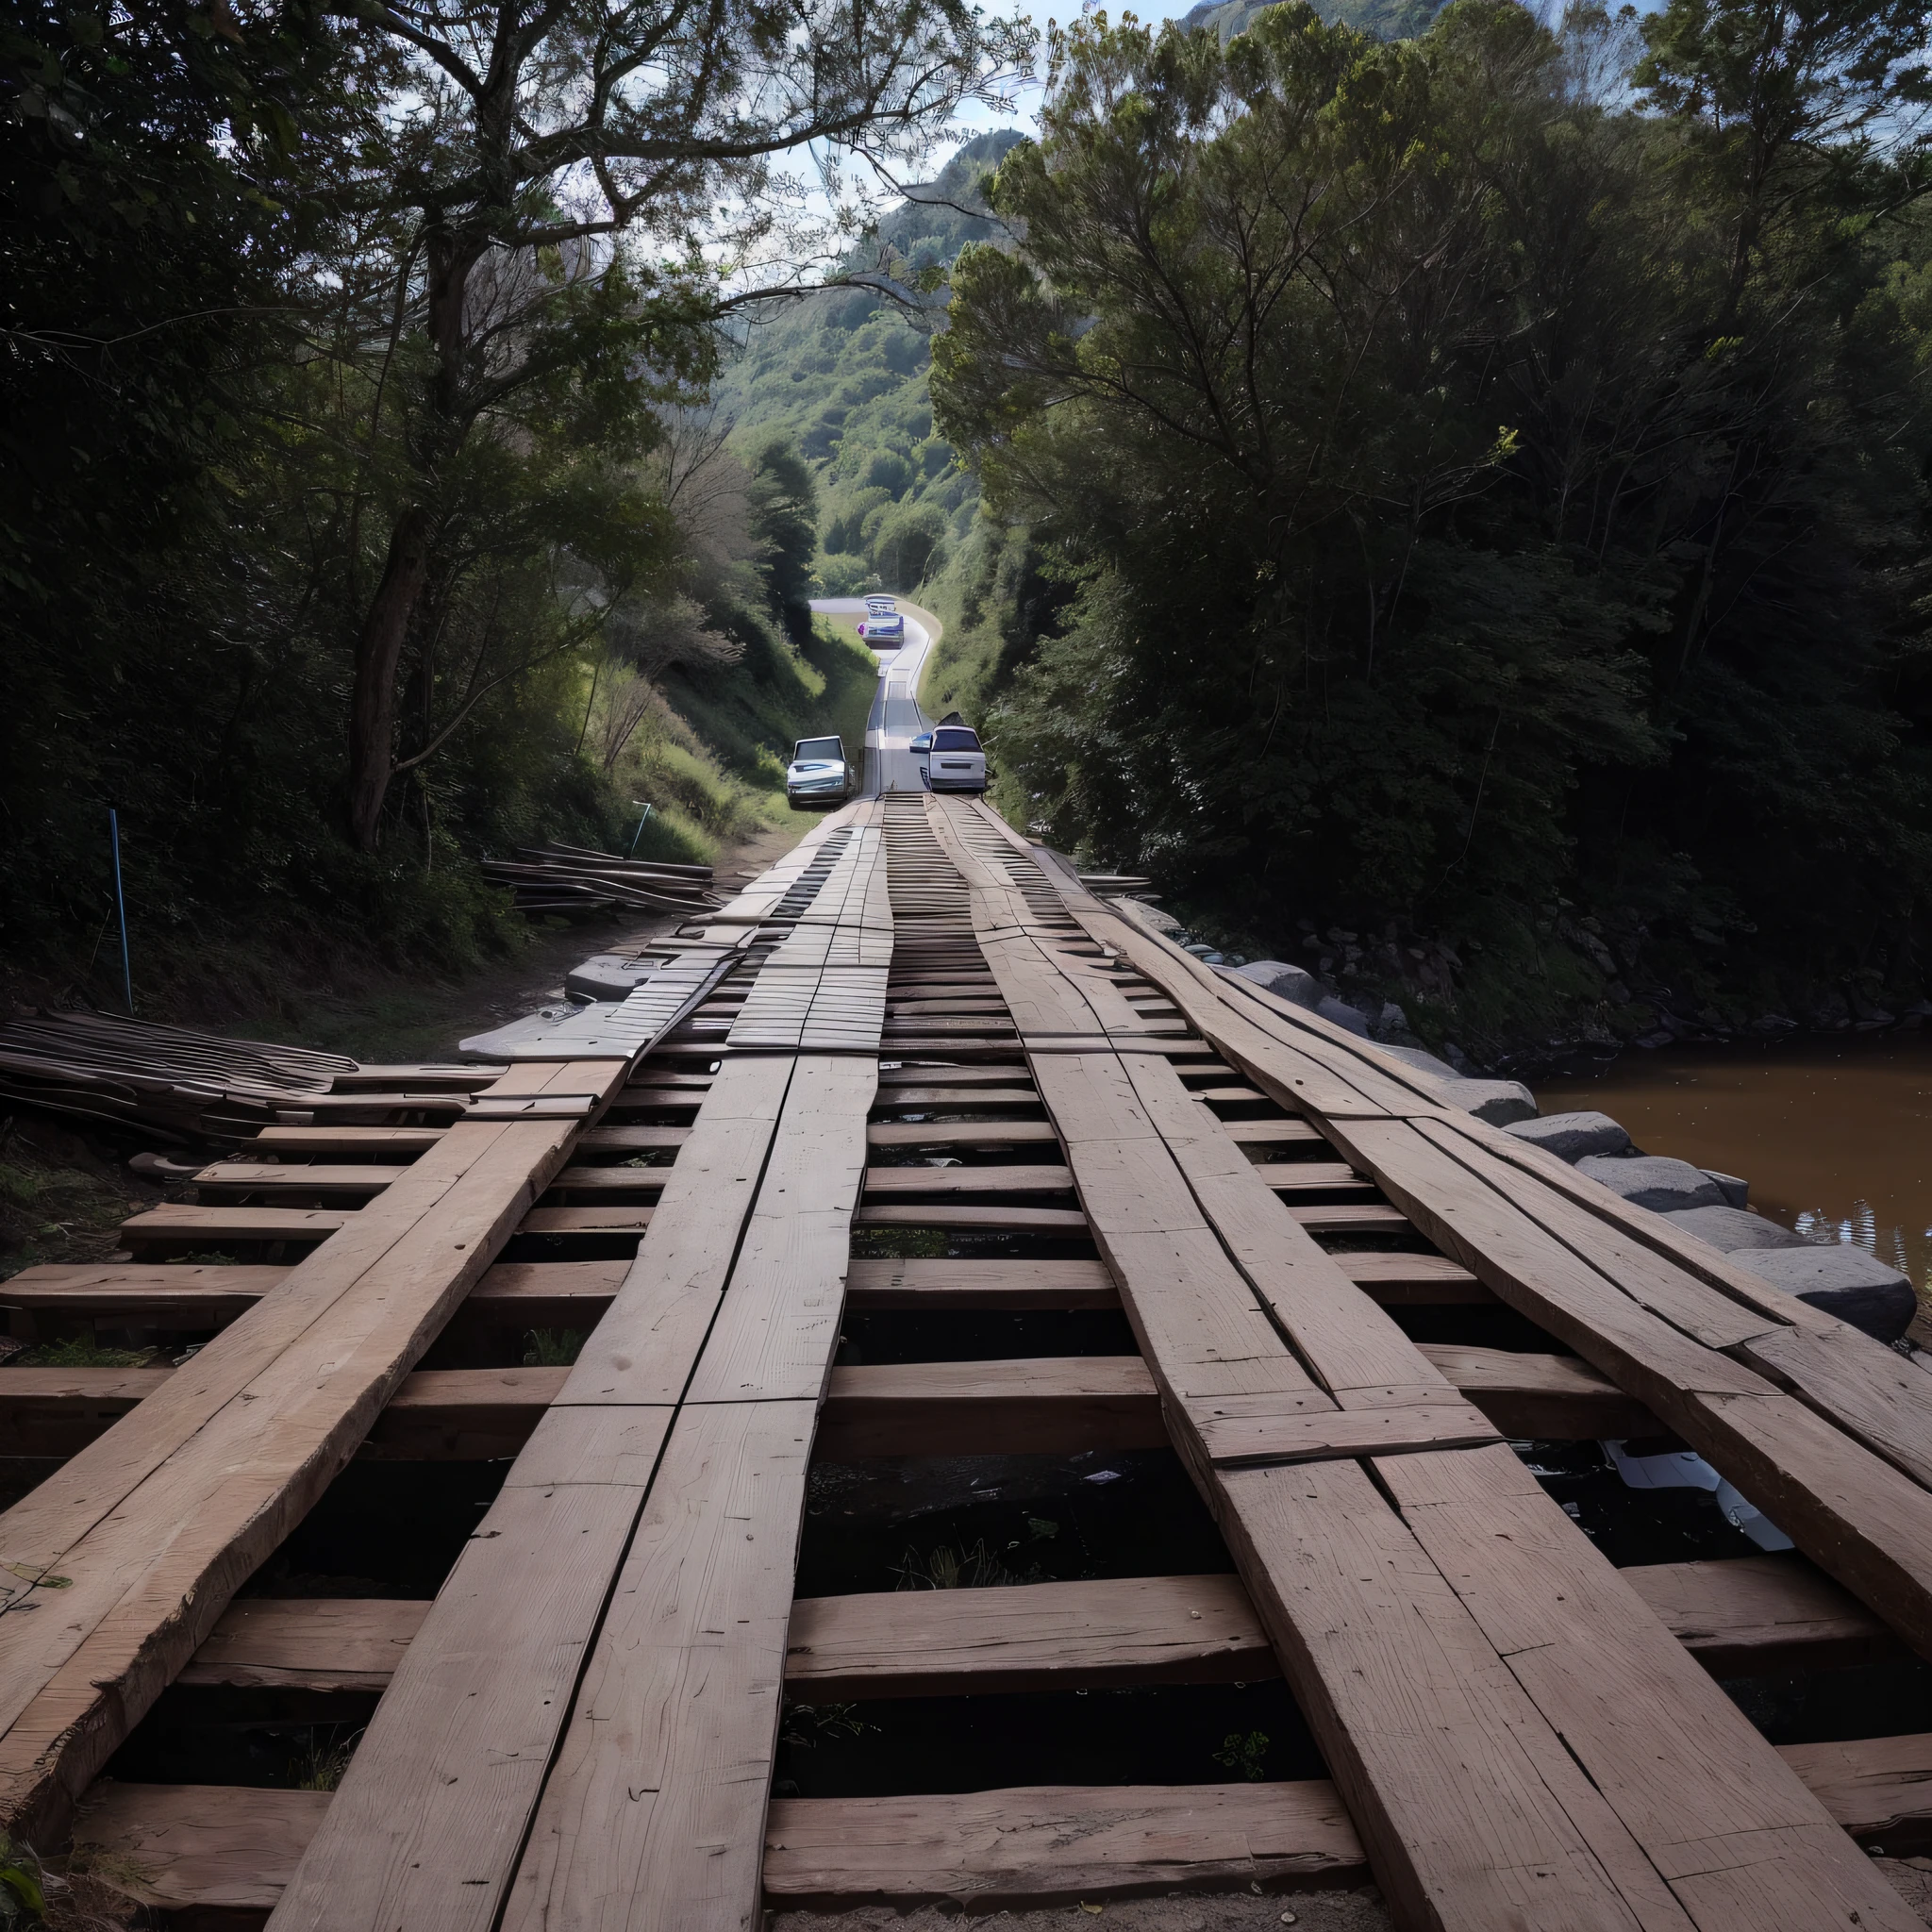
{"type": "Point", "coordinates": [82, 1352]}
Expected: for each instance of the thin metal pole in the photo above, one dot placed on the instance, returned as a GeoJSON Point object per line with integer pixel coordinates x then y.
{"type": "Point", "coordinates": [120, 907]}
{"type": "Point", "coordinates": [640, 832]}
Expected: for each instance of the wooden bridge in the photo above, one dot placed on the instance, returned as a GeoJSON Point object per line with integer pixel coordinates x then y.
{"type": "Point", "coordinates": [579, 1729]}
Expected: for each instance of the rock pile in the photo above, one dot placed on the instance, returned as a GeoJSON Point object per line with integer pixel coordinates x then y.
{"type": "Point", "coordinates": [1846, 1281]}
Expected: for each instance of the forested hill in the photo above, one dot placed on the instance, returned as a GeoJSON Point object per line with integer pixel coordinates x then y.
{"type": "Point", "coordinates": [843, 378]}
{"type": "Point", "coordinates": [1386, 19]}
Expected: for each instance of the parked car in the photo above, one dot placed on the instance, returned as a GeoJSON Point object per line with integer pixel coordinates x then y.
{"type": "Point", "coordinates": [954, 759]}
{"type": "Point", "coordinates": [819, 773]}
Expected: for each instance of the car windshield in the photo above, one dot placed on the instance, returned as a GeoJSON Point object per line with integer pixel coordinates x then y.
{"type": "Point", "coordinates": [809, 748]}
{"type": "Point", "coordinates": [955, 740]}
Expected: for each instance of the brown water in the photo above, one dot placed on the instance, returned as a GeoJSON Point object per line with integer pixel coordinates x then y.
{"type": "Point", "coordinates": [1834, 1135]}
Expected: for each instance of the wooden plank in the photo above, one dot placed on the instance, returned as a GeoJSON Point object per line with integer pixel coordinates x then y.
{"type": "Point", "coordinates": [459, 1079]}
{"type": "Point", "coordinates": [633, 1138]}
{"type": "Point", "coordinates": [544, 1294]}
{"type": "Point", "coordinates": [1852, 1381]}
{"type": "Point", "coordinates": [615, 1217]}
{"type": "Point", "coordinates": [1036, 1846]}
{"type": "Point", "coordinates": [307, 1643]}
{"type": "Point", "coordinates": [444, 1783]}
{"type": "Point", "coordinates": [918, 1283]}
{"type": "Point", "coordinates": [177, 1225]}
{"type": "Point", "coordinates": [1758, 1616]}
{"type": "Point", "coordinates": [1271, 1133]}
{"type": "Point", "coordinates": [1051, 1404]}
{"type": "Point", "coordinates": [156, 1523]}
{"type": "Point", "coordinates": [370, 1142]}
{"type": "Point", "coordinates": [464, 1415]}
{"type": "Point", "coordinates": [260, 1176]}
{"type": "Point", "coordinates": [1555, 1396]}
{"type": "Point", "coordinates": [186, 1295]}
{"type": "Point", "coordinates": [59, 1411]}
{"type": "Point", "coordinates": [1854, 1515]}
{"type": "Point", "coordinates": [1413, 1280]}
{"type": "Point", "coordinates": [1757, 1847]}
{"type": "Point", "coordinates": [539, 1294]}
{"type": "Point", "coordinates": [228, 1847]}
{"type": "Point", "coordinates": [777, 1331]}
{"type": "Point", "coordinates": [1032, 1636]}
{"type": "Point", "coordinates": [959, 1133]}
{"type": "Point", "coordinates": [952, 1078]}
{"type": "Point", "coordinates": [479, 1414]}
{"type": "Point", "coordinates": [1312, 1177]}
{"type": "Point", "coordinates": [650, 1817]}
{"type": "Point", "coordinates": [1253, 1431]}
{"type": "Point", "coordinates": [1878, 1789]}
{"type": "Point", "coordinates": [1399, 1279]}
{"type": "Point", "coordinates": [888, 1183]}
{"type": "Point", "coordinates": [1507, 1800]}
{"type": "Point", "coordinates": [1372, 1217]}
{"type": "Point", "coordinates": [990, 1220]}
{"type": "Point", "coordinates": [209, 1848]}
{"type": "Point", "coordinates": [960, 1099]}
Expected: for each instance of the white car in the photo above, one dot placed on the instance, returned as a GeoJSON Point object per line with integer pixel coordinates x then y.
{"type": "Point", "coordinates": [818, 773]}
{"type": "Point", "coordinates": [954, 759]}
{"type": "Point", "coordinates": [882, 627]}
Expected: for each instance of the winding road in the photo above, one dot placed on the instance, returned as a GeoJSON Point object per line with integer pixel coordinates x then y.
{"type": "Point", "coordinates": [896, 718]}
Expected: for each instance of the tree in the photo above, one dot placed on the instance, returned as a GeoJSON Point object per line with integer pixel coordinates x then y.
{"type": "Point", "coordinates": [785, 517]}
{"type": "Point", "coordinates": [1446, 529]}
{"type": "Point", "coordinates": [1781, 94]}
{"type": "Point", "coordinates": [577, 192]}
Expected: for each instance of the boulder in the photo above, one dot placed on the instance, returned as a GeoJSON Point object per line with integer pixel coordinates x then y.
{"type": "Point", "coordinates": [1736, 1192]}
{"type": "Point", "coordinates": [1286, 982]}
{"type": "Point", "coordinates": [1844, 1281]}
{"type": "Point", "coordinates": [607, 977]}
{"type": "Point", "coordinates": [1653, 1180]}
{"type": "Point", "coordinates": [1338, 1013]}
{"type": "Point", "coordinates": [1732, 1228]}
{"type": "Point", "coordinates": [1500, 1102]}
{"type": "Point", "coordinates": [1423, 1062]}
{"type": "Point", "coordinates": [1573, 1136]}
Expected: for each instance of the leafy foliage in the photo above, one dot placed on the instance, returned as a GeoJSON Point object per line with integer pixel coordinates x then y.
{"type": "Point", "coordinates": [843, 376]}
{"type": "Point", "coordinates": [344, 369]}
{"type": "Point", "coordinates": [1338, 643]}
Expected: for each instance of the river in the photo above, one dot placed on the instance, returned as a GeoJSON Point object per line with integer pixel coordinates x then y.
{"type": "Point", "coordinates": [1833, 1133]}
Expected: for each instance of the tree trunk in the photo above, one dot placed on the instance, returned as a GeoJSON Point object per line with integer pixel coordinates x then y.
{"type": "Point", "coordinates": [378, 652]}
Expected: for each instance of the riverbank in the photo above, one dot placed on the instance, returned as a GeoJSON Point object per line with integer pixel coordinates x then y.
{"type": "Point", "coordinates": [1833, 1132]}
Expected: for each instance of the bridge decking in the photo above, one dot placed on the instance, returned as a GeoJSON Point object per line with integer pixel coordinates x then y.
{"type": "Point", "coordinates": [579, 1729]}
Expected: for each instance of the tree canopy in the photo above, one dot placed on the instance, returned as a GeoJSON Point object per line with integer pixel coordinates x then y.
{"type": "Point", "coordinates": [1490, 468]}
{"type": "Point", "coordinates": [344, 348]}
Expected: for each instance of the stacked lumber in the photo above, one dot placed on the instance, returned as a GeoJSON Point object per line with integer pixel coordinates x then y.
{"type": "Point", "coordinates": [574, 878]}
{"type": "Point", "coordinates": [94, 1066]}
{"type": "Point", "coordinates": [189, 1086]}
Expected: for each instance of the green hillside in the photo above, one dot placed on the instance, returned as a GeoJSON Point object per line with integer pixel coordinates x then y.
{"type": "Point", "coordinates": [844, 374]}
{"type": "Point", "coordinates": [1388, 19]}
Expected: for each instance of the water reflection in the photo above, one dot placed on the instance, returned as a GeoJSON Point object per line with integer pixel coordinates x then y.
{"type": "Point", "coordinates": [1834, 1135]}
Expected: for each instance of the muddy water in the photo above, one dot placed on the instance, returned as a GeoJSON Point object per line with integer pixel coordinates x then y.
{"type": "Point", "coordinates": [1834, 1134]}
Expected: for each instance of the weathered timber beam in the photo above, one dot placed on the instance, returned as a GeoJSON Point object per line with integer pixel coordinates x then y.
{"type": "Point", "coordinates": [235, 1848]}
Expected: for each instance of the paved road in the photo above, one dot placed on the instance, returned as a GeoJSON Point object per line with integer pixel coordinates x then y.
{"type": "Point", "coordinates": [896, 718]}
